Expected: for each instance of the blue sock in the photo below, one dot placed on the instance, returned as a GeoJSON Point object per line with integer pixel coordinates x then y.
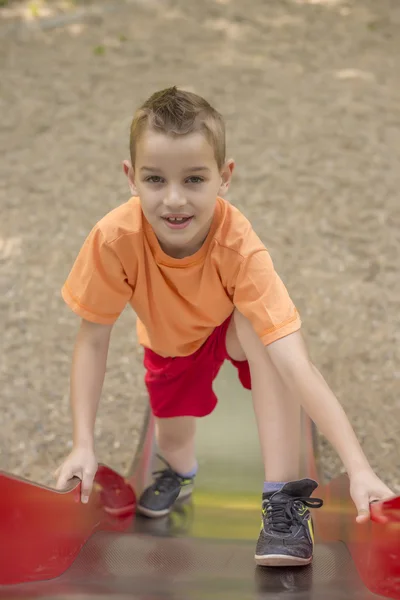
{"type": "Point", "coordinates": [273, 486]}
{"type": "Point", "coordinates": [191, 473]}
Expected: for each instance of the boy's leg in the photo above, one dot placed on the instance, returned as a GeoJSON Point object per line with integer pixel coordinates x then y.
{"type": "Point", "coordinates": [176, 444]}
{"type": "Point", "coordinates": [277, 412]}
{"type": "Point", "coordinates": [286, 537]}
{"type": "Point", "coordinates": [180, 390]}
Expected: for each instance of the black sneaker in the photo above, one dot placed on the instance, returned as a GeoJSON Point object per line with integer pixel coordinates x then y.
{"type": "Point", "coordinates": [287, 536]}
{"type": "Point", "coordinates": [158, 499]}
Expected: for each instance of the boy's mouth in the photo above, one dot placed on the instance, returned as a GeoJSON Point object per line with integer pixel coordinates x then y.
{"type": "Point", "coordinates": [177, 221]}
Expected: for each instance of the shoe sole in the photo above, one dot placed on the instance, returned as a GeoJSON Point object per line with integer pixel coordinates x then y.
{"type": "Point", "coordinates": [281, 560]}
{"type": "Point", "coordinates": [154, 514]}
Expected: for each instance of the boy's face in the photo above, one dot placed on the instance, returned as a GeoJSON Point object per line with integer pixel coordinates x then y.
{"type": "Point", "coordinates": [178, 181]}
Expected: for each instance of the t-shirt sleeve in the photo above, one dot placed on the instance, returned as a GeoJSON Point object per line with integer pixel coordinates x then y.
{"type": "Point", "coordinates": [261, 296]}
{"type": "Point", "coordinates": [97, 288]}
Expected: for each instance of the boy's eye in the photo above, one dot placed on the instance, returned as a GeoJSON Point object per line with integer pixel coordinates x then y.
{"type": "Point", "coordinates": [158, 179]}
{"type": "Point", "coordinates": [154, 179]}
{"type": "Point", "coordinates": [195, 179]}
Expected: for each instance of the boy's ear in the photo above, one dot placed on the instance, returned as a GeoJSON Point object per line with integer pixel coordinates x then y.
{"type": "Point", "coordinates": [226, 176]}
{"type": "Point", "coordinates": [129, 172]}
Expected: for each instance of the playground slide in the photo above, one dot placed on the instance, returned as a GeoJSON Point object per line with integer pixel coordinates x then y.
{"type": "Point", "coordinates": [53, 546]}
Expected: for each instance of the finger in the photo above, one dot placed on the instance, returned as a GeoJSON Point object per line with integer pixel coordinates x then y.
{"type": "Point", "coordinates": [377, 514]}
{"type": "Point", "coordinates": [362, 504]}
{"type": "Point", "coordinates": [363, 516]}
{"type": "Point", "coordinates": [377, 500]}
{"type": "Point", "coordinates": [63, 480]}
{"type": "Point", "coordinates": [87, 484]}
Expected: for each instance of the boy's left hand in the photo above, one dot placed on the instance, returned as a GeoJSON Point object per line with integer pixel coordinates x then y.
{"type": "Point", "coordinates": [366, 487]}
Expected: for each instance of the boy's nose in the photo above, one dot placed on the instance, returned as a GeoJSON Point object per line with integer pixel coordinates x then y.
{"type": "Point", "coordinates": [173, 199]}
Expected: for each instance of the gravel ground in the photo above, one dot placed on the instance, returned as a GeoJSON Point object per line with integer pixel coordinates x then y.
{"type": "Point", "coordinates": [311, 94]}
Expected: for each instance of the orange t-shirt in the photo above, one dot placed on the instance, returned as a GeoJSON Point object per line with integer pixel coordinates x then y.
{"type": "Point", "coordinates": [178, 302]}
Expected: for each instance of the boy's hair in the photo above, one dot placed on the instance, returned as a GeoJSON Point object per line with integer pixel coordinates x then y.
{"type": "Point", "coordinates": [177, 112]}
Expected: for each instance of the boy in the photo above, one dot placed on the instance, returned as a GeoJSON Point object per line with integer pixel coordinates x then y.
{"type": "Point", "coordinates": [205, 290]}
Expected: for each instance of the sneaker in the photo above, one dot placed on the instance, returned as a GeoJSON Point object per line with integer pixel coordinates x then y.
{"type": "Point", "coordinates": [287, 535]}
{"type": "Point", "coordinates": [158, 499]}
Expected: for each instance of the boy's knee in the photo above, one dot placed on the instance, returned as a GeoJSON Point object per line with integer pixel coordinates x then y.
{"type": "Point", "coordinates": [173, 434]}
{"type": "Point", "coordinates": [232, 341]}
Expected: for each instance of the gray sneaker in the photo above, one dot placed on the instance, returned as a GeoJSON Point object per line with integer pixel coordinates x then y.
{"type": "Point", "coordinates": [158, 499]}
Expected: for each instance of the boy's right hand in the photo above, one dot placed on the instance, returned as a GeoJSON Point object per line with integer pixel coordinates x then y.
{"type": "Point", "coordinates": [81, 463]}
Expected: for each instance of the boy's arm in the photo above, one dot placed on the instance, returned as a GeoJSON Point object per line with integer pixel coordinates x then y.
{"type": "Point", "coordinates": [290, 358]}
{"type": "Point", "coordinates": [87, 377]}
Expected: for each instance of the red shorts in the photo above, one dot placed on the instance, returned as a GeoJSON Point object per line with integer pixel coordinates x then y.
{"type": "Point", "coordinates": [182, 386]}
